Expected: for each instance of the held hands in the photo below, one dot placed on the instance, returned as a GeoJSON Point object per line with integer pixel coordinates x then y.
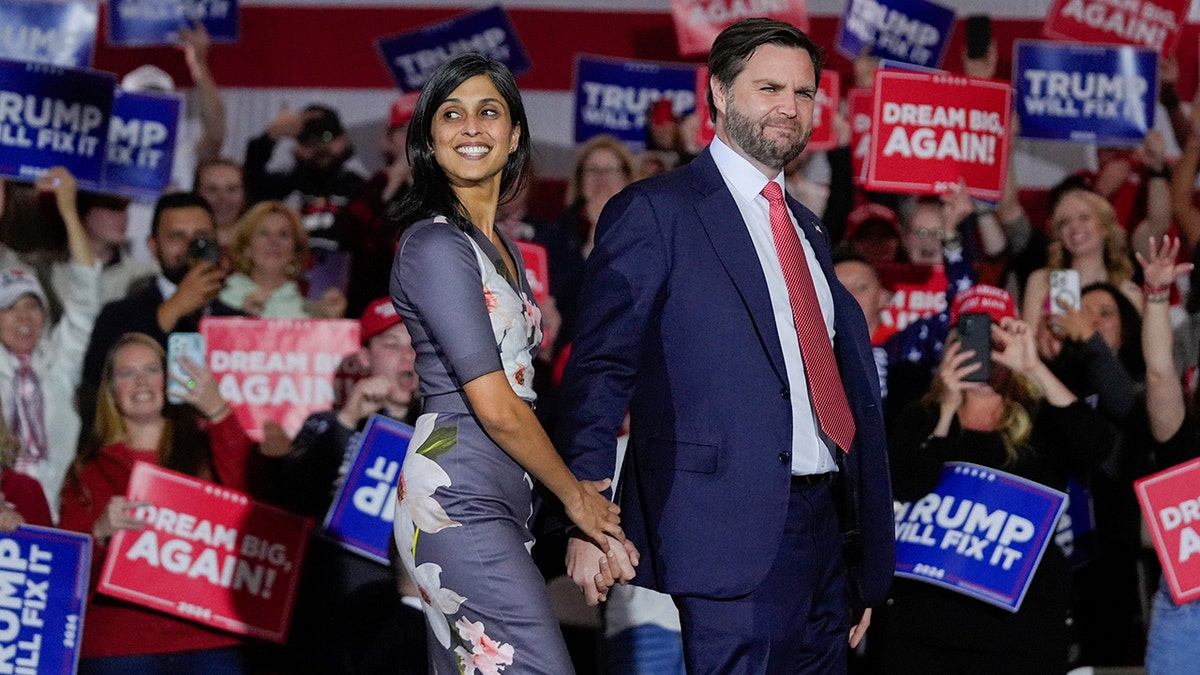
{"type": "Point", "coordinates": [594, 572]}
{"type": "Point", "coordinates": [593, 513]}
{"type": "Point", "coordinates": [118, 515]}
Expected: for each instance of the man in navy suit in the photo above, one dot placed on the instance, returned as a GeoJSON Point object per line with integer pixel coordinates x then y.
{"type": "Point", "coordinates": [755, 485]}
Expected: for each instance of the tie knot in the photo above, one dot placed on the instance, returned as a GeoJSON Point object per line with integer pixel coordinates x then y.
{"type": "Point", "coordinates": [773, 193]}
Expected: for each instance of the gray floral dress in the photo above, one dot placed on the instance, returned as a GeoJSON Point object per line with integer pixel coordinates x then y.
{"type": "Point", "coordinates": [462, 522]}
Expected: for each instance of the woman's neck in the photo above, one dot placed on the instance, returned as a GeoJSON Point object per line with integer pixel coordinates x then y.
{"type": "Point", "coordinates": [1091, 268]}
{"type": "Point", "coordinates": [269, 280]}
{"type": "Point", "coordinates": [144, 434]}
{"type": "Point", "coordinates": [481, 203]}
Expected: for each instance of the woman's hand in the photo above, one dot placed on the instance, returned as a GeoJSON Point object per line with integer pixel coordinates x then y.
{"type": "Point", "coordinates": [367, 396]}
{"type": "Point", "coordinates": [9, 518]}
{"type": "Point", "coordinates": [118, 515]}
{"type": "Point", "coordinates": [1159, 269]}
{"type": "Point", "coordinates": [594, 514]}
{"type": "Point", "coordinates": [1017, 347]}
{"type": "Point", "coordinates": [255, 301]}
{"type": "Point", "coordinates": [275, 442]}
{"type": "Point", "coordinates": [332, 304]}
{"type": "Point", "coordinates": [201, 390]}
{"type": "Point", "coordinates": [956, 206]}
{"type": "Point", "coordinates": [62, 183]}
{"type": "Point", "coordinates": [951, 371]}
{"type": "Point", "coordinates": [1073, 324]}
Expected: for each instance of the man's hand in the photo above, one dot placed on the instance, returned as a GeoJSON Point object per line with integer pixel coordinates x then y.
{"type": "Point", "coordinates": [858, 630]}
{"type": "Point", "coordinates": [594, 572]}
{"type": "Point", "coordinates": [199, 287]}
{"type": "Point", "coordinates": [367, 396]}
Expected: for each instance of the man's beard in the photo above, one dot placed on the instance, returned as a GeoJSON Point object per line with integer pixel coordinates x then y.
{"type": "Point", "coordinates": [176, 274]}
{"type": "Point", "coordinates": [748, 135]}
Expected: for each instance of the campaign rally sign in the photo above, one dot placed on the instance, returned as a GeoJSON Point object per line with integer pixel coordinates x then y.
{"type": "Point", "coordinates": [981, 532]}
{"type": "Point", "coordinates": [912, 31]}
{"type": "Point", "coordinates": [58, 32]}
{"type": "Point", "coordinates": [825, 108]}
{"type": "Point", "coordinates": [859, 102]}
{"type": "Point", "coordinates": [360, 519]}
{"type": "Point", "coordinates": [1143, 23]}
{"type": "Point", "coordinates": [1085, 93]}
{"type": "Point", "coordinates": [1170, 502]}
{"type": "Point", "coordinates": [208, 554]}
{"type": "Point", "coordinates": [412, 57]}
{"type": "Point", "coordinates": [277, 369]}
{"type": "Point", "coordinates": [698, 22]}
{"type": "Point", "coordinates": [612, 96]}
{"type": "Point", "coordinates": [134, 23]}
{"type": "Point", "coordinates": [52, 116]}
{"type": "Point", "coordinates": [918, 291]}
{"type": "Point", "coordinates": [960, 123]}
{"type": "Point", "coordinates": [44, 577]}
{"type": "Point", "coordinates": [141, 144]}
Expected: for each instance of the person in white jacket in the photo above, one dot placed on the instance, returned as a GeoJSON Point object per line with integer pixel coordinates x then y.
{"type": "Point", "coordinates": [40, 366]}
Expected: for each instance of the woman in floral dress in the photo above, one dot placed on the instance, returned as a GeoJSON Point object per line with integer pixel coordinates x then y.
{"type": "Point", "coordinates": [465, 496]}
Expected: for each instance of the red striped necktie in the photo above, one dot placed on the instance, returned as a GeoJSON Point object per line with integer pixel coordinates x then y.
{"type": "Point", "coordinates": [820, 367]}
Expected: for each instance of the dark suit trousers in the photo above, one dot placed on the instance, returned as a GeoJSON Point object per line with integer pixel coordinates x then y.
{"type": "Point", "coordinates": [796, 621]}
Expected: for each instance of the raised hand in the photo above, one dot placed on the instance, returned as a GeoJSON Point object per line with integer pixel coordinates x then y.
{"type": "Point", "coordinates": [1159, 269]}
{"type": "Point", "coordinates": [118, 515]}
{"type": "Point", "coordinates": [1017, 347]}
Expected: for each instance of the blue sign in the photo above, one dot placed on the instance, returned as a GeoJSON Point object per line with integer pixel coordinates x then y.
{"type": "Point", "coordinates": [981, 532]}
{"type": "Point", "coordinates": [1085, 93]}
{"type": "Point", "coordinates": [58, 32]}
{"type": "Point", "coordinates": [412, 57]}
{"type": "Point", "coordinates": [52, 116]}
{"type": "Point", "coordinates": [44, 575]}
{"type": "Point", "coordinates": [1076, 533]}
{"type": "Point", "coordinates": [360, 519]}
{"type": "Point", "coordinates": [912, 31]}
{"type": "Point", "coordinates": [613, 96]}
{"type": "Point", "coordinates": [134, 23]}
{"type": "Point", "coordinates": [141, 144]}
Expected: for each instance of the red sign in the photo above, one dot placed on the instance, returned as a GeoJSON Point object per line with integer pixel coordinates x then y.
{"type": "Point", "coordinates": [698, 22]}
{"type": "Point", "coordinates": [932, 128]}
{"type": "Point", "coordinates": [208, 554]}
{"type": "Point", "coordinates": [829, 94]}
{"type": "Point", "coordinates": [705, 129]}
{"type": "Point", "coordinates": [1170, 502]}
{"type": "Point", "coordinates": [277, 369]}
{"type": "Point", "coordinates": [917, 291]}
{"type": "Point", "coordinates": [1142, 23]}
{"type": "Point", "coordinates": [537, 269]}
{"type": "Point", "coordinates": [858, 104]}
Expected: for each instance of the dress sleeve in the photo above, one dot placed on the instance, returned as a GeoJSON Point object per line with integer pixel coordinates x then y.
{"type": "Point", "coordinates": [437, 278]}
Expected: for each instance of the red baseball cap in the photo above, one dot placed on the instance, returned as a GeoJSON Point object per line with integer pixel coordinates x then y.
{"type": "Point", "coordinates": [402, 110]}
{"type": "Point", "coordinates": [883, 220]}
{"type": "Point", "coordinates": [983, 299]}
{"type": "Point", "coordinates": [379, 316]}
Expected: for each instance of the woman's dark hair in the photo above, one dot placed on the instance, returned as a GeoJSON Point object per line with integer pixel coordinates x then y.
{"type": "Point", "coordinates": [431, 194]}
{"type": "Point", "coordinates": [736, 44]}
{"type": "Point", "coordinates": [1130, 353]}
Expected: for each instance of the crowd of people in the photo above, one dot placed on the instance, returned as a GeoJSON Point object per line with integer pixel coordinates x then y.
{"type": "Point", "coordinates": [1100, 392]}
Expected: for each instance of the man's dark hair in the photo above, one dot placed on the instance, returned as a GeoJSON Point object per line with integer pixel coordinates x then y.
{"type": "Point", "coordinates": [86, 201]}
{"type": "Point", "coordinates": [431, 194]}
{"type": "Point", "coordinates": [177, 200]}
{"type": "Point", "coordinates": [736, 44]}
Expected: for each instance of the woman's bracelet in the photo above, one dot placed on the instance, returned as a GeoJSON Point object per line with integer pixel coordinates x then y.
{"type": "Point", "coordinates": [220, 412]}
{"type": "Point", "coordinates": [1156, 293]}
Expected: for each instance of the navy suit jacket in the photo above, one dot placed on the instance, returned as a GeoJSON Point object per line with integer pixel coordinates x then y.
{"type": "Point", "coordinates": [675, 324]}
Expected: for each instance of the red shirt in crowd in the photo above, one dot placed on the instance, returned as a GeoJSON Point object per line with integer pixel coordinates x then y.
{"type": "Point", "coordinates": [118, 628]}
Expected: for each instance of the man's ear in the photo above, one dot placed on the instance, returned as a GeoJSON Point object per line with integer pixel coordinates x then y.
{"type": "Point", "coordinates": [720, 101]}
{"type": "Point", "coordinates": [152, 245]}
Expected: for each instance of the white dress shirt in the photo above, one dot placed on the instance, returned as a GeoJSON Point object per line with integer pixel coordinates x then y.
{"type": "Point", "coordinates": [811, 450]}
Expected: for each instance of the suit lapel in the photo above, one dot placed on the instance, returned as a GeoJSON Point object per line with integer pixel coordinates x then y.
{"type": "Point", "coordinates": [722, 222]}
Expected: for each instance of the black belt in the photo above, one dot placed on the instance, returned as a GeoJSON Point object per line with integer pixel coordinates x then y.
{"type": "Point", "coordinates": [813, 478]}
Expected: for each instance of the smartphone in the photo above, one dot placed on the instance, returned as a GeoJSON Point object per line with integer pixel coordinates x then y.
{"type": "Point", "coordinates": [975, 334]}
{"type": "Point", "coordinates": [204, 248]}
{"type": "Point", "coordinates": [979, 35]}
{"type": "Point", "coordinates": [190, 345]}
{"type": "Point", "coordinates": [1064, 284]}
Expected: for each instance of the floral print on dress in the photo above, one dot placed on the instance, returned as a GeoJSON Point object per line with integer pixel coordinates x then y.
{"type": "Point", "coordinates": [486, 656]}
{"type": "Point", "coordinates": [516, 323]}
